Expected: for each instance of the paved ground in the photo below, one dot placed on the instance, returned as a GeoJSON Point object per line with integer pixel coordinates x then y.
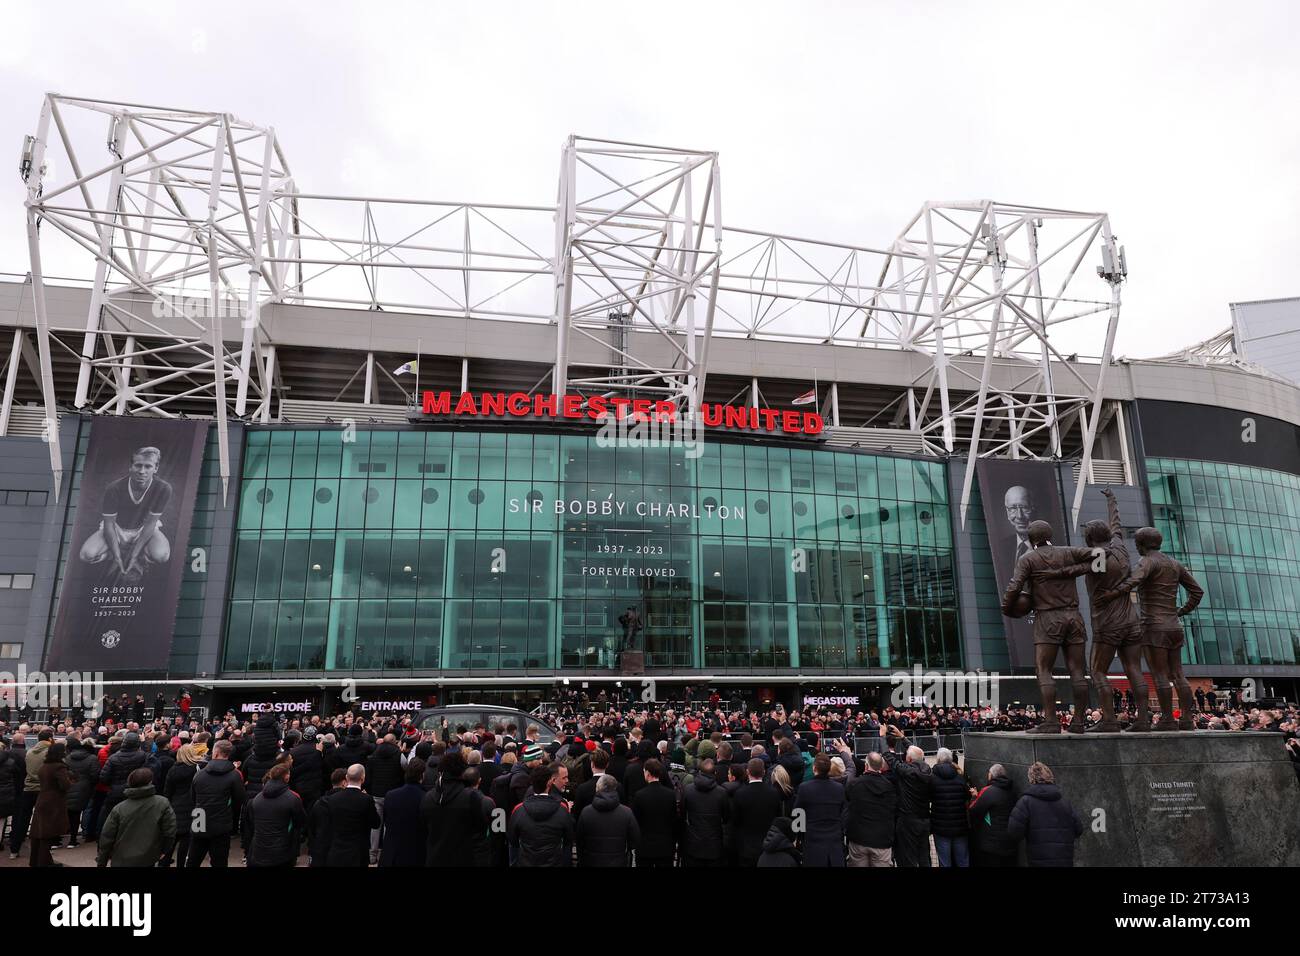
{"type": "Point", "coordinates": [84, 855]}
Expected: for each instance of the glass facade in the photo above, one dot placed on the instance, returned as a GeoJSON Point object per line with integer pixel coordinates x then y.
{"type": "Point", "coordinates": [1237, 529]}
{"type": "Point", "coordinates": [988, 596]}
{"type": "Point", "coordinates": [460, 551]}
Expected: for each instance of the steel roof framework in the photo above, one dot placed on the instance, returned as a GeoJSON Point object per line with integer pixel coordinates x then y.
{"type": "Point", "coordinates": [189, 206]}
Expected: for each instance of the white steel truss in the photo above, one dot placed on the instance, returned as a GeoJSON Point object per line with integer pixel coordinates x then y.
{"type": "Point", "coordinates": [634, 245]}
{"type": "Point", "coordinates": [189, 207]}
{"type": "Point", "coordinates": [1218, 350]}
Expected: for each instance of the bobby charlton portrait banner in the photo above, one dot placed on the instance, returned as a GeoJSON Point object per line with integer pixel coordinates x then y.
{"type": "Point", "coordinates": [1016, 492]}
{"type": "Point", "coordinates": [130, 541]}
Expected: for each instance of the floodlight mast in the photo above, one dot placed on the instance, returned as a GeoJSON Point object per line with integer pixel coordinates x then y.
{"type": "Point", "coordinates": [628, 265]}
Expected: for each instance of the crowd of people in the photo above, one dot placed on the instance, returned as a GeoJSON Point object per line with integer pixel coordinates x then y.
{"type": "Point", "coordinates": [617, 784]}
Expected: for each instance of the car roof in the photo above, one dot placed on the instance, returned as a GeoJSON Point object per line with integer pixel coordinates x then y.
{"type": "Point", "coordinates": [475, 707]}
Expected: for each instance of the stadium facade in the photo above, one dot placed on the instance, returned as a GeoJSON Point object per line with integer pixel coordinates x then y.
{"type": "Point", "coordinates": [433, 501]}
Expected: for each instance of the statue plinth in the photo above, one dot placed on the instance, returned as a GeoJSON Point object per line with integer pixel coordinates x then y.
{"type": "Point", "coordinates": [1175, 798]}
{"type": "Point", "coordinates": [632, 663]}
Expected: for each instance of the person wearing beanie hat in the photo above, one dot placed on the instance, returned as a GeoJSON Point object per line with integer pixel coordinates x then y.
{"type": "Point", "coordinates": [677, 756]}
{"type": "Point", "coordinates": [118, 768]}
{"type": "Point", "coordinates": [308, 776]}
{"type": "Point", "coordinates": [779, 848]}
{"type": "Point", "coordinates": [530, 758]}
{"type": "Point", "coordinates": [353, 749]}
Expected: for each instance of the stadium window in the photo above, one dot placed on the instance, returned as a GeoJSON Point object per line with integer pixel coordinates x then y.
{"type": "Point", "coordinates": [29, 498]}
{"type": "Point", "coordinates": [23, 582]}
{"type": "Point", "coordinates": [11, 652]}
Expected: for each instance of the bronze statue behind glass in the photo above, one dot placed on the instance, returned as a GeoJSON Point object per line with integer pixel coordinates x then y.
{"type": "Point", "coordinates": [631, 622]}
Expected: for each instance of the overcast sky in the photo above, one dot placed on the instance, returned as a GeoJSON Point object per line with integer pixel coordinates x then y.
{"type": "Point", "coordinates": [833, 120]}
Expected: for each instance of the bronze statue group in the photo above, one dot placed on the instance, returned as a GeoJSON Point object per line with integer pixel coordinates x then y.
{"type": "Point", "coordinates": [1043, 583]}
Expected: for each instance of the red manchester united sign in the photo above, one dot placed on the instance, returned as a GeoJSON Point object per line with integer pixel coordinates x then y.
{"type": "Point", "coordinates": [602, 408]}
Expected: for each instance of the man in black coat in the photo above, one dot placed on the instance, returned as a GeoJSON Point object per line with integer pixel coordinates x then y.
{"type": "Point", "coordinates": [488, 768]}
{"type": "Point", "coordinates": [352, 816]}
{"type": "Point", "coordinates": [318, 820]}
{"type": "Point", "coordinates": [118, 768]}
{"type": "Point", "coordinates": [586, 791]}
{"type": "Point", "coordinates": [275, 821]}
{"type": "Point", "coordinates": [822, 801]}
{"type": "Point", "coordinates": [788, 756]}
{"type": "Point", "coordinates": [541, 829]}
{"type": "Point", "coordinates": [1044, 819]}
{"type": "Point", "coordinates": [869, 815]}
{"type": "Point", "coordinates": [353, 749]}
{"type": "Point", "coordinates": [456, 818]}
{"type": "Point", "coordinates": [218, 796]}
{"type": "Point", "coordinates": [634, 777]}
{"type": "Point", "coordinates": [307, 774]}
{"type": "Point", "coordinates": [653, 728]}
{"type": "Point", "coordinates": [607, 832]}
{"type": "Point", "coordinates": [383, 773]}
{"type": "Point", "coordinates": [753, 808]}
{"type": "Point", "coordinates": [989, 813]}
{"type": "Point", "coordinates": [915, 790]}
{"type": "Point", "coordinates": [266, 747]}
{"type": "Point", "coordinates": [657, 816]}
{"type": "Point", "coordinates": [521, 777]}
{"type": "Point", "coordinates": [706, 808]}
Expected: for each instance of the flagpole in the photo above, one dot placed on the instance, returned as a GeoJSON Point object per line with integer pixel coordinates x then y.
{"type": "Point", "coordinates": [419, 345]}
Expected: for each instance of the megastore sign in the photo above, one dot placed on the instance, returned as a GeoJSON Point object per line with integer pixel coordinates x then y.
{"type": "Point", "coordinates": [602, 408]}
{"type": "Point", "coordinates": [277, 707]}
{"type": "Point", "coordinates": [851, 700]}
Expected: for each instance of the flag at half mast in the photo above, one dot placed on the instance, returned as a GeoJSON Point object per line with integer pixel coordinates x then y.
{"type": "Point", "coordinates": [409, 368]}
{"type": "Point", "coordinates": [807, 398]}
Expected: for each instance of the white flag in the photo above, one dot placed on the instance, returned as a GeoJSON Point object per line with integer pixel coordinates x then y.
{"type": "Point", "coordinates": [807, 398]}
{"type": "Point", "coordinates": [408, 369]}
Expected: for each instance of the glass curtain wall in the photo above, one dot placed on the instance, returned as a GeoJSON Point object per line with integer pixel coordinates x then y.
{"type": "Point", "coordinates": [1237, 529]}
{"type": "Point", "coordinates": [461, 551]}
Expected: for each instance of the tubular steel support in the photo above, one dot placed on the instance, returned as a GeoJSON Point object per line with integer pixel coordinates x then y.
{"type": "Point", "coordinates": [194, 216]}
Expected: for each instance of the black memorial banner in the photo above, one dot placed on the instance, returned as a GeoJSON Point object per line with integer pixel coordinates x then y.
{"type": "Point", "coordinates": [1014, 494]}
{"type": "Point", "coordinates": [130, 541]}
